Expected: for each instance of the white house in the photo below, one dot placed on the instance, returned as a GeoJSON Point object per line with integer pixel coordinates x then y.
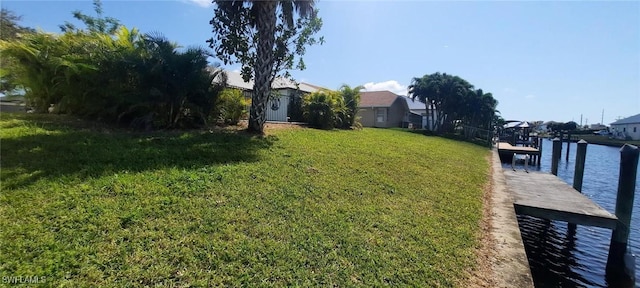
{"type": "Point", "coordinates": [284, 88]}
{"type": "Point", "coordinates": [627, 127]}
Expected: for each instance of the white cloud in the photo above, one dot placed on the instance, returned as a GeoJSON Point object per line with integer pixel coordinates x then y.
{"type": "Point", "coordinates": [202, 3]}
{"type": "Point", "coordinates": [530, 96]}
{"type": "Point", "coordinates": [391, 85]}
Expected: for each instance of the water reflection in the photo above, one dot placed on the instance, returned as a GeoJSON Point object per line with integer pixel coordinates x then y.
{"type": "Point", "coordinates": [562, 256]}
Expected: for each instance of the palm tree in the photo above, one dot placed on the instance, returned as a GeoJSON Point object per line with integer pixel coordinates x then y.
{"type": "Point", "coordinates": [263, 17]}
{"type": "Point", "coordinates": [452, 92]}
{"type": "Point", "coordinates": [426, 89]}
{"type": "Point", "coordinates": [351, 98]}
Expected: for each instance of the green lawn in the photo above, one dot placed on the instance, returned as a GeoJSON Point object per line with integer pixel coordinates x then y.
{"type": "Point", "coordinates": [84, 205]}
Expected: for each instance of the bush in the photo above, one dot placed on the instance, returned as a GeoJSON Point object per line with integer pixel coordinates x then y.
{"type": "Point", "coordinates": [232, 106]}
{"type": "Point", "coordinates": [324, 109]}
{"type": "Point", "coordinates": [126, 78]}
{"type": "Point", "coordinates": [114, 74]}
{"type": "Point", "coordinates": [351, 98]}
{"type": "Point", "coordinates": [294, 108]}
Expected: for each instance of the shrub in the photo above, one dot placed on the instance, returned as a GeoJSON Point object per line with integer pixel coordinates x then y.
{"type": "Point", "coordinates": [294, 108]}
{"type": "Point", "coordinates": [351, 98]}
{"type": "Point", "coordinates": [324, 109]}
{"type": "Point", "coordinates": [114, 74]}
{"type": "Point", "coordinates": [232, 106]}
{"type": "Point", "coordinates": [125, 78]}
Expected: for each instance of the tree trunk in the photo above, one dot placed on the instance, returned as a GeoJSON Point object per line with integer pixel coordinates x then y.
{"type": "Point", "coordinates": [426, 106]}
{"type": "Point", "coordinates": [433, 117]}
{"type": "Point", "coordinates": [263, 69]}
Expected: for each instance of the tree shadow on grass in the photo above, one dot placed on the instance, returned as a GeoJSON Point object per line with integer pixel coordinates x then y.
{"type": "Point", "coordinates": [71, 151]}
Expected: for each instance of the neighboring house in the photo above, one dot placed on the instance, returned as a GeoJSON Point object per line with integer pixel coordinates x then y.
{"type": "Point", "coordinates": [285, 89]}
{"type": "Point", "coordinates": [598, 126]}
{"type": "Point", "coordinates": [383, 109]}
{"type": "Point", "coordinates": [420, 108]}
{"type": "Point", "coordinates": [627, 127]}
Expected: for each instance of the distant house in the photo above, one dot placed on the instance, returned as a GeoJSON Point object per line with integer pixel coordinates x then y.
{"type": "Point", "coordinates": [627, 128]}
{"type": "Point", "coordinates": [383, 109]}
{"type": "Point", "coordinates": [598, 126]}
{"type": "Point", "coordinates": [419, 108]}
{"type": "Point", "coordinates": [286, 89]}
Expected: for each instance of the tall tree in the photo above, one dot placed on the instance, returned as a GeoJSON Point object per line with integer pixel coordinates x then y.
{"type": "Point", "coordinates": [450, 98]}
{"type": "Point", "coordinates": [264, 37]}
{"type": "Point", "coordinates": [426, 89]}
{"type": "Point", "coordinates": [10, 30]}
{"type": "Point", "coordinates": [478, 110]}
{"type": "Point", "coordinates": [100, 24]}
{"type": "Point", "coordinates": [453, 90]}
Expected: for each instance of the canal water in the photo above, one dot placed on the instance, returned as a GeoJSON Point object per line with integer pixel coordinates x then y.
{"type": "Point", "coordinates": [561, 257]}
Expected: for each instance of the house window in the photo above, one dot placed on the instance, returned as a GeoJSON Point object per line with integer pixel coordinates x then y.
{"type": "Point", "coordinates": [634, 129]}
{"type": "Point", "coordinates": [624, 129]}
{"type": "Point", "coordinates": [381, 114]}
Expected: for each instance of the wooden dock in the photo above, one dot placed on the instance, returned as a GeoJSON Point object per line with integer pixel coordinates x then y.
{"type": "Point", "coordinates": [546, 196]}
{"type": "Point", "coordinates": [504, 147]}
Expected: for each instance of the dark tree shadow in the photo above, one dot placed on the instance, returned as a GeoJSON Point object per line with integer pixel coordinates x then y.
{"type": "Point", "coordinates": [66, 150]}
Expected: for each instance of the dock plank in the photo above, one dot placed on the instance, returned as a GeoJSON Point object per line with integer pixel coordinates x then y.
{"type": "Point", "coordinates": [546, 196]}
{"type": "Point", "coordinates": [506, 147]}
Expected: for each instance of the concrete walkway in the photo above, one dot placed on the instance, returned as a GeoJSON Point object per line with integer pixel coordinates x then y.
{"type": "Point", "coordinates": [510, 263]}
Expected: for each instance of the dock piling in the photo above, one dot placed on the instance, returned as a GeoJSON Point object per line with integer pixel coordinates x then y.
{"type": "Point", "coordinates": [561, 139]}
{"type": "Point", "coordinates": [568, 146]}
{"type": "Point", "coordinates": [578, 175]}
{"type": "Point", "coordinates": [555, 155]}
{"type": "Point", "coordinates": [539, 149]}
{"type": "Point", "coordinates": [620, 264]}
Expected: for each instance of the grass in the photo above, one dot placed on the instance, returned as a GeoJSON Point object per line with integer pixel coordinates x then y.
{"type": "Point", "coordinates": [84, 205]}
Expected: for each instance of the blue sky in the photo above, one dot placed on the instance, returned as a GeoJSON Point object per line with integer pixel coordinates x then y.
{"type": "Point", "coordinates": [541, 60]}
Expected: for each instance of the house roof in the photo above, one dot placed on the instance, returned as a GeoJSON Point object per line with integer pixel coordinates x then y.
{"type": "Point", "coordinates": [234, 80]}
{"type": "Point", "coordinates": [377, 98]}
{"type": "Point", "coordinates": [314, 86]}
{"type": "Point", "coordinates": [517, 124]}
{"type": "Point", "coordinates": [629, 120]}
{"type": "Point", "coordinates": [414, 105]}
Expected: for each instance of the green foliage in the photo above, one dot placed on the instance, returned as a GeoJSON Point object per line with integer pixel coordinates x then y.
{"type": "Point", "coordinates": [324, 109]}
{"type": "Point", "coordinates": [10, 30]}
{"type": "Point", "coordinates": [123, 77]}
{"type": "Point", "coordinates": [351, 98]}
{"type": "Point", "coordinates": [232, 106]}
{"type": "Point", "coordinates": [235, 27]}
{"type": "Point", "coordinates": [562, 126]}
{"type": "Point", "coordinates": [10, 27]}
{"type": "Point", "coordinates": [301, 207]}
{"type": "Point", "coordinates": [294, 108]}
{"type": "Point", "coordinates": [570, 126]}
{"type": "Point", "coordinates": [267, 38]}
{"type": "Point", "coordinates": [455, 102]}
{"type": "Point", "coordinates": [175, 87]}
{"type": "Point", "coordinates": [99, 24]}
